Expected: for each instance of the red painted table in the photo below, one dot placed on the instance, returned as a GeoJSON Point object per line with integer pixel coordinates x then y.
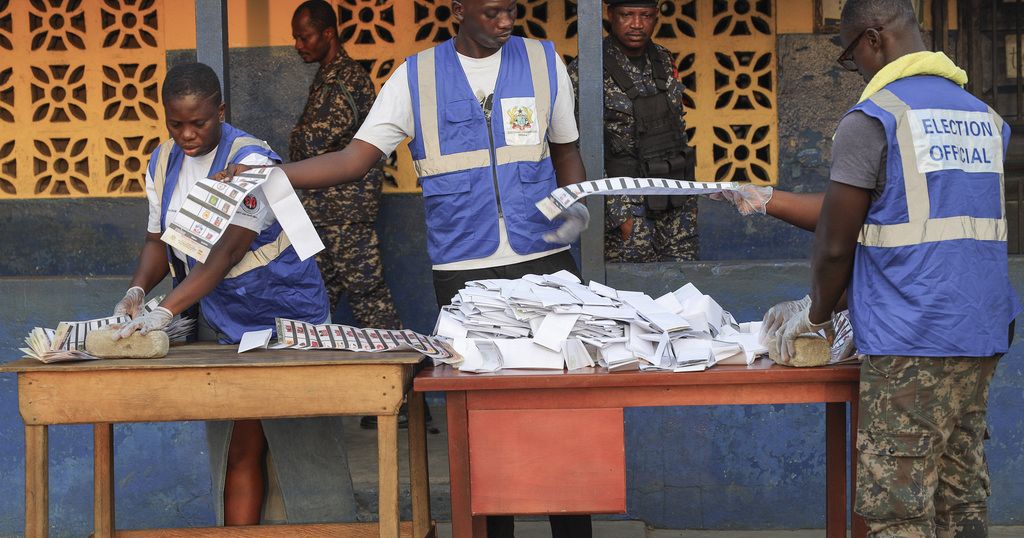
{"type": "Point", "coordinates": [523, 442]}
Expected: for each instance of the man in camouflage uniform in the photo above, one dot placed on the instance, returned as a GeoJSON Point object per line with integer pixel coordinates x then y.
{"type": "Point", "coordinates": [339, 98]}
{"type": "Point", "coordinates": [644, 136]}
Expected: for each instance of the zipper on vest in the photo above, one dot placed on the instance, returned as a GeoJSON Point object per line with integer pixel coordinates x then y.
{"type": "Point", "coordinates": [488, 105]}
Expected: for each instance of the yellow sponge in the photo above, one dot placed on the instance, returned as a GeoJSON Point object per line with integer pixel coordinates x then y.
{"type": "Point", "coordinates": [101, 343]}
{"type": "Point", "coordinates": [811, 350]}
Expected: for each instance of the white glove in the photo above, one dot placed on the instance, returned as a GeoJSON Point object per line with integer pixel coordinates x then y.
{"type": "Point", "coordinates": [158, 319]}
{"type": "Point", "coordinates": [131, 305]}
{"type": "Point", "coordinates": [777, 316]}
{"type": "Point", "coordinates": [795, 326]}
{"type": "Point", "coordinates": [748, 199]}
{"type": "Point", "coordinates": [577, 218]}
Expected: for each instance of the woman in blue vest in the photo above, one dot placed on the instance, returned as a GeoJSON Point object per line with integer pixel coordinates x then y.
{"type": "Point", "coordinates": [493, 131]}
{"type": "Point", "coordinates": [251, 276]}
{"type": "Point", "coordinates": [913, 230]}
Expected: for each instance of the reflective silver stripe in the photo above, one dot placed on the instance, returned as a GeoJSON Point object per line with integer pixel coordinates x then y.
{"type": "Point", "coordinates": [919, 228]}
{"type": "Point", "coordinates": [443, 164]}
{"type": "Point", "coordinates": [160, 175]}
{"type": "Point", "coordinates": [260, 257]}
{"type": "Point", "coordinates": [433, 163]}
{"type": "Point", "coordinates": [914, 182]}
{"type": "Point", "coordinates": [1002, 186]}
{"type": "Point", "coordinates": [932, 230]}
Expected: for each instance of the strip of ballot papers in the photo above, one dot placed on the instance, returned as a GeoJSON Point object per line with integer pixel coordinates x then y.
{"type": "Point", "coordinates": [555, 322]}
{"type": "Point", "coordinates": [210, 205]}
{"type": "Point", "coordinates": [563, 197]}
{"type": "Point", "coordinates": [67, 341]}
{"type": "Point", "coordinates": [301, 335]}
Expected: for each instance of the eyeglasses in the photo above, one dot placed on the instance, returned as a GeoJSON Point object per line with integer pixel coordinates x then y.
{"type": "Point", "coordinates": [846, 58]}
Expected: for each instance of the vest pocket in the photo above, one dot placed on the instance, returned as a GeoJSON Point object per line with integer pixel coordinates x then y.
{"type": "Point", "coordinates": [537, 181]}
{"type": "Point", "coordinates": [448, 205]}
{"type": "Point", "coordinates": [896, 476]}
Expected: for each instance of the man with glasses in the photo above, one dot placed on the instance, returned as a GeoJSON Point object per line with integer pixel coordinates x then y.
{"type": "Point", "coordinates": [912, 230]}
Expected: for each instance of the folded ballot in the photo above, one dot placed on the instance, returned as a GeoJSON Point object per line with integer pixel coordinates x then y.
{"type": "Point", "coordinates": [547, 322]}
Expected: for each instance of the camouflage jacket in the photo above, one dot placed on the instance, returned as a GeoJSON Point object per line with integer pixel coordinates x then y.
{"type": "Point", "coordinates": [619, 129]}
{"type": "Point", "coordinates": [340, 97]}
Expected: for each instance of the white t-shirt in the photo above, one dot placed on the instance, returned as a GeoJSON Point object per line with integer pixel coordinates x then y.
{"type": "Point", "coordinates": [391, 121]}
{"type": "Point", "coordinates": [192, 170]}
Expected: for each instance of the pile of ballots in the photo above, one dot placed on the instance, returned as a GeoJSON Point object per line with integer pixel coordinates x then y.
{"type": "Point", "coordinates": [67, 341]}
{"type": "Point", "coordinates": [554, 322]}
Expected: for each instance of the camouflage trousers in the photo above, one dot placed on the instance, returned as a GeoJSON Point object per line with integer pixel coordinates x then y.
{"type": "Point", "coordinates": [351, 266]}
{"type": "Point", "coordinates": [658, 236]}
{"type": "Point", "coordinates": [921, 469]}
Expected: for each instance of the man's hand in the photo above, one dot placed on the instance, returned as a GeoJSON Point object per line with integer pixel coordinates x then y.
{"type": "Point", "coordinates": [231, 171]}
{"type": "Point", "coordinates": [131, 305]}
{"type": "Point", "coordinates": [777, 316]}
{"type": "Point", "coordinates": [626, 229]}
{"type": "Point", "coordinates": [748, 199]}
{"type": "Point", "coordinates": [577, 218]}
{"type": "Point", "coordinates": [796, 326]}
{"type": "Point", "coordinates": [158, 319]}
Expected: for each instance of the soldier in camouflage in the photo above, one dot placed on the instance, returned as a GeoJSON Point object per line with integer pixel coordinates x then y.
{"type": "Point", "coordinates": [339, 99]}
{"type": "Point", "coordinates": [644, 136]}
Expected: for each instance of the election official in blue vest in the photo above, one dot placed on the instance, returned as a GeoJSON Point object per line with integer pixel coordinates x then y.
{"type": "Point", "coordinates": [913, 230]}
{"type": "Point", "coordinates": [251, 276]}
{"type": "Point", "coordinates": [492, 128]}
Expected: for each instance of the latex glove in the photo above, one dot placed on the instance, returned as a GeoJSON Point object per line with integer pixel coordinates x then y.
{"type": "Point", "coordinates": [795, 326]}
{"type": "Point", "coordinates": [777, 316]}
{"type": "Point", "coordinates": [228, 173]}
{"type": "Point", "coordinates": [132, 303]}
{"type": "Point", "coordinates": [748, 199]}
{"type": "Point", "coordinates": [159, 318]}
{"type": "Point", "coordinates": [577, 218]}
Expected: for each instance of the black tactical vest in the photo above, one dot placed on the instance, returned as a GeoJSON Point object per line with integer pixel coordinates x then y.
{"type": "Point", "coordinates": [662, 148]}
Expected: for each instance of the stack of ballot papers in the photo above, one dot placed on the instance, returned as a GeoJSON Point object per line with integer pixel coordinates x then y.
{"type": "Point", "coordinates": [67, 341]}
{"type": "Point", "coordinates": [555, 322]}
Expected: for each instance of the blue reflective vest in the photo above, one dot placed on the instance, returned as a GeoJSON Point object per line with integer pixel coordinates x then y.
{"type": "Point", "coordinates": [270, 281]}
{"type": "Point", "coordinates": [459, 157]}
{"type": "Point", "coordinates": [930, 276]}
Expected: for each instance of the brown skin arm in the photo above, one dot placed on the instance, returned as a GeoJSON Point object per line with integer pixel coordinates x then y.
{"type": "Point", "coordinates": [204, 277]}
{"type": "Point", "coordinates": [327, 170]}
{"type": "Point", "coordinates": [800, 210]}
{"type": "Point", "coordinates": [152, 266]}
{"type": "Point", "coordinates": [568, 164]}
{"type": "Point", "coordinates": [835, 241]}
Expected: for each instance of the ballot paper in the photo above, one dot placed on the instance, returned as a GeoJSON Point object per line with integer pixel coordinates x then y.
{"type": "Point", "coordinates": [210, 205]}
{"type": "Point", "coordinates": [301, 335]}
{"type": "Point", "coordinates": [563, 197]}
{"type": "Point", "coordinates": [554, 321]}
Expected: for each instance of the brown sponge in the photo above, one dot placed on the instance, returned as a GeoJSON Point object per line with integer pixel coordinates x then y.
{"type": "Point", "coordinates": [811, 350]}
{"type": "Point", "coordinates": [101, 343]}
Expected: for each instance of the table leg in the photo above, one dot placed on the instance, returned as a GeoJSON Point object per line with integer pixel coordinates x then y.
{"type": "Point", "coordinates": [419, 477]}
{"type": "Point", "coordinates": [464, 525]}
{"type": "Point", "coordinates": [37, 524]}
{"type": "Point", "coordinates": [835, 469]}
{"type": "Point", "coordinates": [860, 528]}
{"type": "Point", "coordinates": [103, 480]}
{"type": "Point", "coordinates": [387, 459]}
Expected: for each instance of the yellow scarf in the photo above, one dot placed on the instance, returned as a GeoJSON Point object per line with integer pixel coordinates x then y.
{"type": "Point", "coordinates": [917, 63]}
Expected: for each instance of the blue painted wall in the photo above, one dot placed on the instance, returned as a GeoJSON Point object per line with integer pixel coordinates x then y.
{"type": "Point", "coordinates": [700, 467]}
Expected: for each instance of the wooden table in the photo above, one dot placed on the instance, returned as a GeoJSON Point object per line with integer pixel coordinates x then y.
{"type": "Point", "coordinates": [214, 382]}
{"type": "Point", "coordinates": [523, 442]}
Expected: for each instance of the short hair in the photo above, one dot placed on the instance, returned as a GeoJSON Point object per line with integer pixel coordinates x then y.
{"type": "Point", "coordinates": [321, 14]}
{"type": "Point", "coordinates": [867, 13]}
{"type": "Point", "coordinates": [191, 79]}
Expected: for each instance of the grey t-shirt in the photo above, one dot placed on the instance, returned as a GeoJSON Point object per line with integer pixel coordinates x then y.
{"type": "Point", "coordinates": [859, 150]}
